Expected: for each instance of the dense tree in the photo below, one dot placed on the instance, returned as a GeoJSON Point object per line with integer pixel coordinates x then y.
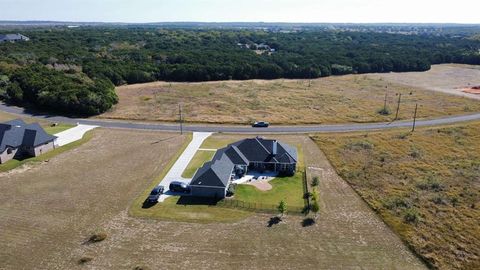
{"type": "Point", "coordinates": [74, 70]}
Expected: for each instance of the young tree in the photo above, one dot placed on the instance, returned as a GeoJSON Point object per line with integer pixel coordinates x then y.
{"type": "Point", "coordinates": [315, 181]}
{"type": "Point", "coordinates": [282, 208]}
{"type": "Point", "coordinates": [315, 208]}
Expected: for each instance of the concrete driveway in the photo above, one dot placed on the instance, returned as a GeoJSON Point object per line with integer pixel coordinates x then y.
{"type": "Point", "coordinates": [72, 134]}
{"type": "Point", "coordinates": [175, 173]}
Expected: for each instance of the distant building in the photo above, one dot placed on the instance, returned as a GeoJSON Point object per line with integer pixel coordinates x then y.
{"type": "Point", "coordinates": [257, 154]}
{"type": "Point", "coordinates": [18, 140]}
{"type": "Point", "coordinates": [13, 38]}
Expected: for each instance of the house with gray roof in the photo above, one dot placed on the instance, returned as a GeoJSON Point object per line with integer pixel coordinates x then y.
{"type": "Point", "coordinates": [19, 140]}
{"type": "Point", "coordinates": [235, 160]}
{"type": "Point", "coordinates": [13, 38]}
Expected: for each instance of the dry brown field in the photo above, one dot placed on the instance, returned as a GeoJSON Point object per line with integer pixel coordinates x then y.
{"type": "Point", "coordinates": [336, 99]}
{"type": "Point", "coordinates": [48, 211]}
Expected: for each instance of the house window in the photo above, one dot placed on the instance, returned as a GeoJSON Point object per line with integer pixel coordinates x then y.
{"type": "Point", "coordinates": [9, 151]}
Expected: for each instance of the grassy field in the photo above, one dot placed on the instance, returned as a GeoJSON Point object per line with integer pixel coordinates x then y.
{"type": "Point", "coordinates": [197, 161]}
{"type": "Point", "coordinates": [47, 212]}
{"type": "Point", "coordinates": [425, 185]}
{"type": "Point", "coordinates": [342, 99]}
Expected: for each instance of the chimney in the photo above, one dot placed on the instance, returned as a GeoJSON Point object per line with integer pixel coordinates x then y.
{"type": "Point", "coordinates": [274, 148]}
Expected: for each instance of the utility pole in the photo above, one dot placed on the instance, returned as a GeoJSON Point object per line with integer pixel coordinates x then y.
{"type": "Point", "coordinates": [180, 118]}
{"type": "Point", "coordinates": [398, 106]}
{"type": "Point", "coordinates": [385, 102]}
{"type": "Point", "coordinates": [415, 117]}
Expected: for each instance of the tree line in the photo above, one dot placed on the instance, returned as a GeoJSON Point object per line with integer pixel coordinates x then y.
{"type": "Point", "coordinates": [75, 70]}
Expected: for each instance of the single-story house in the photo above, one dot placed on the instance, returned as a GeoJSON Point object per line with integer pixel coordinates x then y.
{"type": "Point", "coordinates": [13, 38]}
{"type": "Point", "coordinates": [235, 160]}
{"type": "Point", "coordinates": [18, 139]}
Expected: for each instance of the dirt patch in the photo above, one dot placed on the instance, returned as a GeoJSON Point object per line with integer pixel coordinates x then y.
{"type": "Point", "coordinates": [261, 185]}
{"type": "Point", "coordinates": [447, 78]}
{"type": "Point", "coordinates": [472, 90]}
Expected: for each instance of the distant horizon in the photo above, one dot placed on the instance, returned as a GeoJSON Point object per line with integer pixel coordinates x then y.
{"type": "Point", "coordinates": [238, 22]}
{"type": "Point", "coordinates": [230, 11]}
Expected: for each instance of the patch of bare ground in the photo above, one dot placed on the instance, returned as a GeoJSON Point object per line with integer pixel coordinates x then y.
{"type": "Point", "coordinates": [446, 78]}
{"type": "Point", "coordinates": [261, 185]}
{"type": "Point", "coordinates": [336, 99]}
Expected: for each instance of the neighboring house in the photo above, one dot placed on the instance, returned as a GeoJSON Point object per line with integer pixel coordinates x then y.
{"type": "Point", "coordinates": [13, 38]}
{"type": "Point", "coordinates": [18, 140]}
{"type": "Point", "coordinates": [235, 160]}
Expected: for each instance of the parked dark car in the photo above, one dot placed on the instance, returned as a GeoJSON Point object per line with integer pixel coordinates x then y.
{"type": "Point", "coordinates": [181, 187]}
{"type": "Point", "coordinates": [155, 193]}
{"type": "Point", "coordinates": [260, 124]}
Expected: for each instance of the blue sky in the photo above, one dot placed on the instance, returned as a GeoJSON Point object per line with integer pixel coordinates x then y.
{"type": "Point", "coordinates": [421, 11]}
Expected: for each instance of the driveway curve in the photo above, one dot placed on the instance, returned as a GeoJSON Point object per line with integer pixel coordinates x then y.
{"type": "Point", "coordinates": [332, 128]}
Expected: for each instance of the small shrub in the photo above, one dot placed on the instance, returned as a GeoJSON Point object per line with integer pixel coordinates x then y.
{"type": "Point", "coordinates": [307, 195]}
{"type": "Point", "coordinates": [140, 268]}
{"type": "Point", "coordinates": [439, 200]}
{"type": "Point", "coordinates": [384, 111]}
{"type": "Point", "coordinates": [454, 201]}
{"type": "Point", "coordinates": [397, 202]}
{"type": "Point", "coordinates": [359, 145]}
{"type": "Point", "coordinates": [231, 190]}
{"type": "Point", "coordinates": [415, 152]}
{"type": "Point", "coordinates": [315, 207]}
{"type": "Point", "coordinates": [315, 181]}
{"type": "Point", "coordinates": [84, 260]}
{"type": "Point", "coordinates": [282, 208]}
{"type": "Point", "coordinates": [430, 183]}
{"type": "Point", "coordinates": [403, 135]}
{"type": "Point", "coordinates": [97, 237]}
{"type": "Point", "coordinates": [411, 216]}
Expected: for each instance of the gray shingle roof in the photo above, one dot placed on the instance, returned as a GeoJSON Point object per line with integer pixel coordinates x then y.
{"type": "Point", "coordinates": [16, 133]}
{"type": "Point", "coordinates": [214, 173]}
{"type": "Point", "coordinates": [260, 150]}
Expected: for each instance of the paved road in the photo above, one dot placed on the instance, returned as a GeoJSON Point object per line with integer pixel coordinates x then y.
{"type": "Point", "coordinates": [243, 129]}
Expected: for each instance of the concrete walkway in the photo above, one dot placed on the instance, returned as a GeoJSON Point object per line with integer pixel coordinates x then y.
{"type": "Point", "coordinates": [175, 173]}
{"type": "Point", "coordinates": [72, 134]}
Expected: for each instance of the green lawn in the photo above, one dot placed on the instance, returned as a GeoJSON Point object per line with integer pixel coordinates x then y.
{"type": "Point", "coordinates": [170, 210]}
{"type": "Point", "coordinates": [11, 164]}
{"type": "Point", "coordinates": [59, 128]}
{"type": "Point", "coordinates": [289, 189]}
{"type": "Point", "coordinates": [197, 161]}
{"type": "Point", "coordinates": [213, 142]}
